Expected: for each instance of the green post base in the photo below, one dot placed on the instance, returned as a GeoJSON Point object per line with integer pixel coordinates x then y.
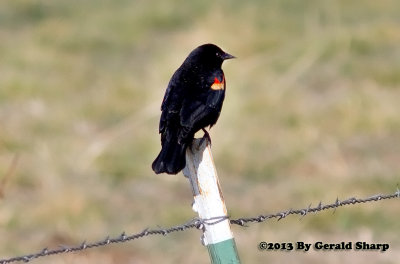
{"type": "Point", "coordinates": [224, 252]}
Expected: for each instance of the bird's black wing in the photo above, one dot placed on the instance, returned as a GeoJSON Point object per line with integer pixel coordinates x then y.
{"type": "Point", "coordinates": [204, 110]}
{"type": "Point", "coordinates": [172, 102]}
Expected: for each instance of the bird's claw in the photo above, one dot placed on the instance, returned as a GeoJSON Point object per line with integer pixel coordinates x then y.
{"type": "Point", "coordinates": [205, 137]}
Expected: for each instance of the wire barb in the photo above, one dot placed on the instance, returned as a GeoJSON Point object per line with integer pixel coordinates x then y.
{"type": "Point", "coordinates": [197, 223]}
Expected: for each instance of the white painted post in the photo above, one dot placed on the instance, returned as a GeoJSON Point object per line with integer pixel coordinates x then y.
{"type": "Point", "coordinates": [209, 203]}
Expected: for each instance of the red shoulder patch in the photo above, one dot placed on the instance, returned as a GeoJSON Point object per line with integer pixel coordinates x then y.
{"type": "Point", "coordinates": [218, 85]}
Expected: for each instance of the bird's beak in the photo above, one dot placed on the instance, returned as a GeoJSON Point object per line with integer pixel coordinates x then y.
{"type": "Point", "coordinates": [227, 56]}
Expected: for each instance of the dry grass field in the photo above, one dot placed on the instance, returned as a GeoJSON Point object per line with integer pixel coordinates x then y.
{"type": "Point", "coordinates": [311, 114]}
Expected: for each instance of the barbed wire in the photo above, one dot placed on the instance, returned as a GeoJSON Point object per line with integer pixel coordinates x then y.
{"type": "Point", "coordinates": [320, 207]}
{"type": "Point", "coordinates": [199, 224]}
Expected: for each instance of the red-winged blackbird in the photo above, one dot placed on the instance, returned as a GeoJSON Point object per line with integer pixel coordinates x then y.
{"type": "Point", "coordinates": [193, 101]}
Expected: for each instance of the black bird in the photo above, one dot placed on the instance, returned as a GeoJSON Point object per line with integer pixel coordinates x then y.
{"type": "Point", "coordinates": [192, 101]}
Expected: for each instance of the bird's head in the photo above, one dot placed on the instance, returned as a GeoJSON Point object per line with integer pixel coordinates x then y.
{"type": "Point", "coordinates": [210, 54]}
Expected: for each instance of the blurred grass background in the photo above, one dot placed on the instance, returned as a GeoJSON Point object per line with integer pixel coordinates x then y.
{"type": "Point", "coordinates": [311, 113]}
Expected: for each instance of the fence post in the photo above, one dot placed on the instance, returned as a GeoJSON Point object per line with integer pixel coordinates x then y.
{"type": "Point", "coordinates": [209, 203]}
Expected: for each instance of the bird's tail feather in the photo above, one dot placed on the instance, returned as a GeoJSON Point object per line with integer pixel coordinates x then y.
{"type": "Point", "coordinates": [172, 158]}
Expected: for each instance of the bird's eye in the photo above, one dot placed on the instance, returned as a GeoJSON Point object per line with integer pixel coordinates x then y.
{"type": "Point", "coordinates": [217, 54]}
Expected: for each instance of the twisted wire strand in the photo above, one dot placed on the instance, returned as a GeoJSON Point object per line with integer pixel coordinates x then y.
{"type": "Point", "coordinates": [198, 224]}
